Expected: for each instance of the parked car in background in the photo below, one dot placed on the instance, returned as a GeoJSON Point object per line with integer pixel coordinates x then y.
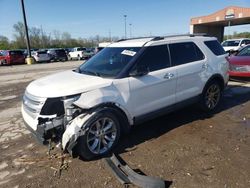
{"type": "Point", "coordinates": [234, 45]}
{"type": "Point", "coordinates": [9, 57]}
{"type": "Point", "coordinates": [57, 55]}
{"type": "Point", "coordinates": [101, 46]}
{"type": "Point", "coordinates": [41, 56]}
{"type": "Point", "coordinates": [89, 53]}
{"type": "Point", "coordinates": [239, 64]}
{"type": "Point", "coordinates": [77, 53]}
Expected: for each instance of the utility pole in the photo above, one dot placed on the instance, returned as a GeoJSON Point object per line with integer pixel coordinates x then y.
{"type": "Point", "coordinates": [29, 58]}
{"type": "Point", "coordinates": [125, 22]}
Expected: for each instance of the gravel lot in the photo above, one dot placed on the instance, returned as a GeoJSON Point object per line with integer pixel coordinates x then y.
{"type": "Point", "coordinates": [186, 148]}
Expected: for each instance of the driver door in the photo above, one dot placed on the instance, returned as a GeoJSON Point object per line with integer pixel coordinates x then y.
{"type": "Point", "coordinates": [155, 90]}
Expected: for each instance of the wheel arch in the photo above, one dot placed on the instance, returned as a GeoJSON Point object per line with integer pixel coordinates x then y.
{"type": "Point", "coordinates": [124, 120]}
{"type": "Point", "coordinates": [215, 77]}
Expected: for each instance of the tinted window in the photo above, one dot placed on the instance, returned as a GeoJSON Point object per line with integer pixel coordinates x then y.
{"type": "Point", "coordinates": [245, 41]}
{"type": "Point", "coordinates": [16, 52]}
{"type": "Point", "coordinates": [81, 49]}
{"type": "Point", "coordinates": [155, 58]}
{"type": "Point", "coordinates": [244, 52]}
{"type": "Point", "coordinates": [61, 52]}
{"type": "Point", "coordinates": [185, 52]}
{"type": "Point", "coordinates": [231, 43]}
{"type": "Point", "coordinates": [42, 52]}
{"type": "Point", "coordinates": [215, 47]}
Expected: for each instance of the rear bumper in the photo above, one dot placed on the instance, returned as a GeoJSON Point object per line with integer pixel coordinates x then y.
{"type": "Point", "coordinates": [239, 74]}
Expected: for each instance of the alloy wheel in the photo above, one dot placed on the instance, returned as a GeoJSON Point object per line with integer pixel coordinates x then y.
{"type": "Point", "coordinates": [101, 135]}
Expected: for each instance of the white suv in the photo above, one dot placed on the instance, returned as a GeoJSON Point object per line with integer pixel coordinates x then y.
{"type": "Point", "coordinates": [128, 82]}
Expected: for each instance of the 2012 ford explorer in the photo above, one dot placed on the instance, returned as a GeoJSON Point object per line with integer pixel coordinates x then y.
{"type": "Point", "coordinates": [128, 82]}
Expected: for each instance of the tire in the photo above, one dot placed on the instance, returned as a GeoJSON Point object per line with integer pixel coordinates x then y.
{"type": "Point", "coordinates": [211, 96]}
{"type": "Point", "coordinates": [104, 129]}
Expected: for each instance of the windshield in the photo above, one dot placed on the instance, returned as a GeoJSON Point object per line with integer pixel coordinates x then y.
{"type": "Point", "coordinates": [231, 43]}
{"type": "Point", "coordinates": [109, 62]}
{"type": "Point", "coordinates": [245, 51]}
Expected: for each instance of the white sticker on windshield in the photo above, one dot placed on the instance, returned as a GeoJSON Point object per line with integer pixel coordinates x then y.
{"type": "Point", "coordinates": [128, 52]}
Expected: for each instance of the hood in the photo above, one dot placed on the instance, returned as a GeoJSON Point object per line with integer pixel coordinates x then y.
{"type": "Point", "coordinates": [65, 83]}
{"type": "Point", "coordinates": [240, 60]}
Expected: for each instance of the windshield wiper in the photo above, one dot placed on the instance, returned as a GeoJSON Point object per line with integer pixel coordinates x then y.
{"type": "Point", "coordinates": [91, 73]}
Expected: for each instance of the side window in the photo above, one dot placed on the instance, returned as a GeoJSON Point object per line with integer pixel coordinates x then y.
{"type": "Point", "coordinates": [246, 42]}
{"type": "Point", "coordinates": [186, 52]}
{"type": "Point", "coordinates": [243, 42]}
{"type": "Point", "coordinates": [215, 47]}
{"type": "Point", "coordinates": [155, 58]}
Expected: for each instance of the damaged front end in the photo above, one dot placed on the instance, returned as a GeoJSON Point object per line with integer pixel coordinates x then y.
{"type": "Point", "coordinates": [49, 118]}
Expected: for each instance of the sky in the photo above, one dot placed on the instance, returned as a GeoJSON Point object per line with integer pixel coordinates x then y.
{"type": "Point", "coordinates": [88, 18]}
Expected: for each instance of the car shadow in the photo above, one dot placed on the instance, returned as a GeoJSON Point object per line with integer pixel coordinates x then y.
{"type": "Point", "coordinates": [161, 125]}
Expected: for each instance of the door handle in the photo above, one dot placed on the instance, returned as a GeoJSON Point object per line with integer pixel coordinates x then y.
{"type": "Point", "coordinates": [168, 76]}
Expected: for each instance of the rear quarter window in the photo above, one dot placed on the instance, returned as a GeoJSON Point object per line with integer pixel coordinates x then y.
{"type": "Point", "coordinates": [215, 47]}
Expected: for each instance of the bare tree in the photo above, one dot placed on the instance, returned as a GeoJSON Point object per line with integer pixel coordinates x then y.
{"type": "Point", "coordinates": [19, 35]}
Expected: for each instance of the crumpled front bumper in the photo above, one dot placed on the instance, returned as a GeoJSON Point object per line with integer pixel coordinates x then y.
{"type": "Point", "coordinates": [37, 134]}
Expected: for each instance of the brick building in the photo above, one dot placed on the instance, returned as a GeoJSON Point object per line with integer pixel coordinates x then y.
{"type": "Point", "coordinates": [214, 24]}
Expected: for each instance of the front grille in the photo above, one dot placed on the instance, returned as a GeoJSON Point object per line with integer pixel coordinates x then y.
{"type": "Point", "coordinates": [32, 104]}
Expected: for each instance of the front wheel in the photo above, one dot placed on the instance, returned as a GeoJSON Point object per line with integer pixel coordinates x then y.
{"type": "Point", "coordinates": [102, 135]}
{"type": "Point", "coordinates": [211, 96]}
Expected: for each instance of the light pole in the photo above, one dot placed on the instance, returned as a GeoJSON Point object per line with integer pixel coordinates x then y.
{"type": "Point", "coordinates": [229, 25]}
{"type": "Point", "coordinates": [130, 30]}
{"type": "Point", "coordinates": [29, 58]}
{"type": "Point", "coordinates": [125, 22]}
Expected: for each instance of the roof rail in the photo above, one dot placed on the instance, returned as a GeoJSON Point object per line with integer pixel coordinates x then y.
{"type": "Point", "coordinates": [187, 35]}
{"type": "Point", "coordinates": [134, 38]}
{"type": "Point", "coordinates": [155, 38]}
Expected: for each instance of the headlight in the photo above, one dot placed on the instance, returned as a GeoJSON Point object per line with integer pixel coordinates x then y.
{"type": "Point", "coordinates": [68, 107]}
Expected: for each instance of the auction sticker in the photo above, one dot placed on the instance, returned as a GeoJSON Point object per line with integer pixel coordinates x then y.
{"type": "Point", "coordinates": [128, 52]}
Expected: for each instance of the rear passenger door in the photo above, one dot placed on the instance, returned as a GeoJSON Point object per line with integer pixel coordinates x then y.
{"type": "Point", "coordinates": [190, 66]}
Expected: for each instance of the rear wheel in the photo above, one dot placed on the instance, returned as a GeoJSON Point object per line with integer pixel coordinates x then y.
{"type": "Point", "coordinates": [211, 96]}
{"type": "Point", "coordinates": [102, 135]}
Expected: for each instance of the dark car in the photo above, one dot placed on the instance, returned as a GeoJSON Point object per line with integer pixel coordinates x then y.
{"type": "Point", "coordinates": [240, 63]}
{"type": "Point", "coordinates": [9, 57]}
{"type": "Point", "coordinates": [57, 54]}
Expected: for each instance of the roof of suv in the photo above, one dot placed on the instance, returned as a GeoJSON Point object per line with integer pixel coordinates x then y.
{"type": "Point", "coordinates": [147, 41]}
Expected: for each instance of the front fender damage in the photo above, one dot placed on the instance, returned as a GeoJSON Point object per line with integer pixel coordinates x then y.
{"type": "Point", "coordinates": [76, 128]}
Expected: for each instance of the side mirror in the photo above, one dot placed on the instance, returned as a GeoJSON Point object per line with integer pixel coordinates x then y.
{"type": "Point", "coordinates": [139, 71]}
